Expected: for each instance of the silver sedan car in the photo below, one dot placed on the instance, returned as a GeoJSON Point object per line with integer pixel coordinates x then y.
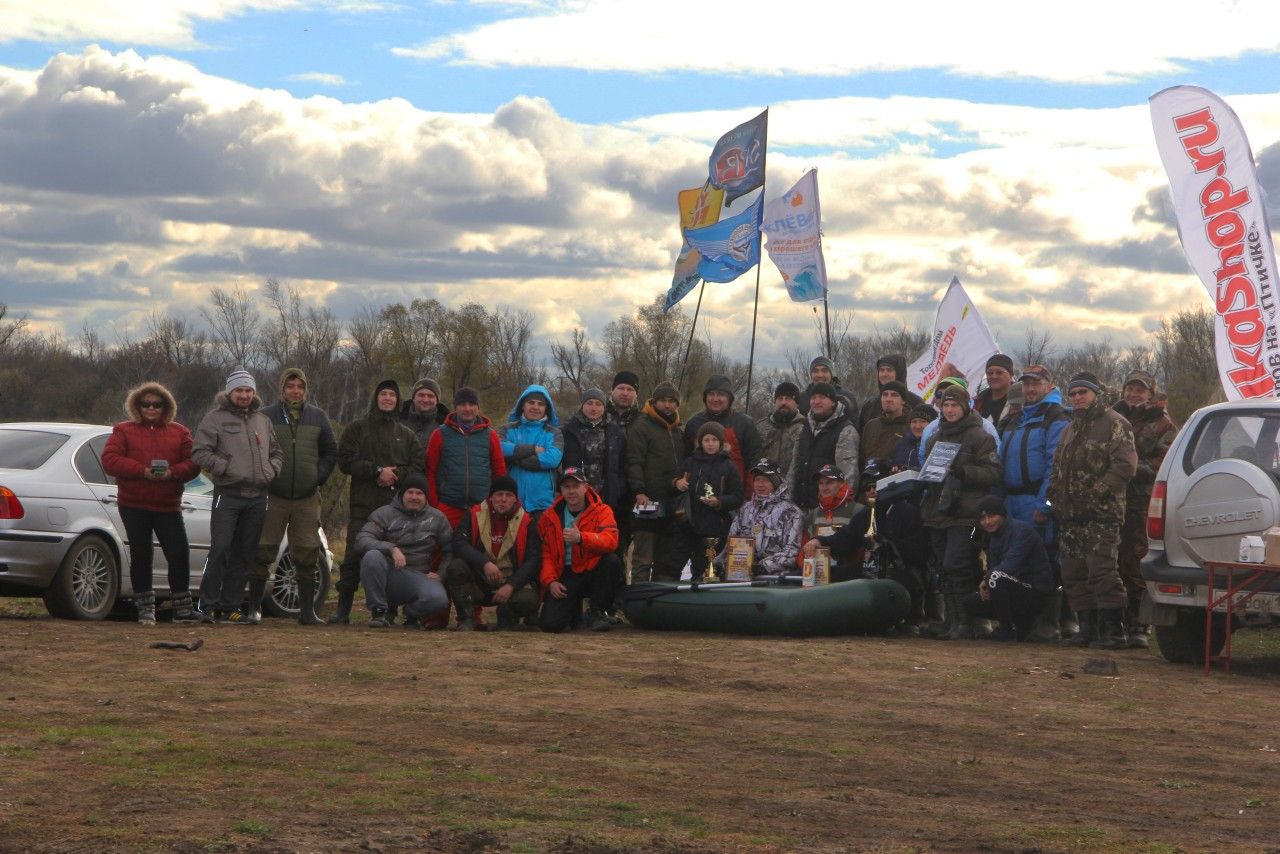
{"type": "Point", "coordinates": [61, 537]}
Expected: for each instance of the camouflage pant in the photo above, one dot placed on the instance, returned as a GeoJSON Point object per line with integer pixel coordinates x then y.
{"type": "Point", "coordinates": [1133, 548]}
{"type": "Point", "coordinates": [1090, 576]}
{"type": "Point", "coordinates": [462, 580]}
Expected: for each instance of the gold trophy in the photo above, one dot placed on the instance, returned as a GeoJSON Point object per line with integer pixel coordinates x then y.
{"type": "Point", "coordinates": [709, 574]}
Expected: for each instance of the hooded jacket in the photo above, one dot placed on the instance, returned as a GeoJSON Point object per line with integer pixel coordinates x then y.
{"type": "Point", "coordinates": [238, 447]}
{"type": "Point", "coordinates": [600, 450]}
{"type": "Point", "coordinates": [462, 460]}
{"type": "Point", "coordinates": [377, 441]}
{"type": "Point", "coordinates": [871, 407]}
{"type": "Point", "coordinates": [1027, 456]}
{"type": "Point", "coordinates": [655, 449]}
{"type": "Point", "coordinates": [777, 527]}
{"type": "Point", "coordinates": [134, 444]}
{"type": "Point", "coordinates": [1093, 466]}
{"type": "Point", "coordinates": [717, 471]}
{"type": "Point", "coordinates": [740, 437]}
{"type": "Point", "coordinates": [833, 441]}
{"type": "Point", "coordinates": [599, 537]}
{"type": "Point", "coordinates": [310, 451]}
{"type": "Point", "coordinates": [424, 536]}
{"type": "Point", "coordinates": [1153, 432]}
{"type": "Point", "coordinates": [778, 437]}
{"type": "Point", "coordinates": [534, 472]}
{"type": "Point", "coordinates": [974, 471]}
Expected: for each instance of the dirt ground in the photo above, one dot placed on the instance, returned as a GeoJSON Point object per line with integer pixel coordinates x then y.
{"type": "Point", "coordinates": [279, 738]}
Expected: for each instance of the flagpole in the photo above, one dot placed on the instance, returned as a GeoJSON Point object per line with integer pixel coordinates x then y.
{"type": "Point", "coordinates": [827, 316]}
{"type": "Point", "coordinates": [688, 348]}
{"type": "Point", "coordinates": [755, 311]}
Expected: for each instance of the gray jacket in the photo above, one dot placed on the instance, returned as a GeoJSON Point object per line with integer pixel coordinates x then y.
{"type": "Point", "coordinates": [238, 448]}
{"type": "Point", "coordinates": [421, 535]}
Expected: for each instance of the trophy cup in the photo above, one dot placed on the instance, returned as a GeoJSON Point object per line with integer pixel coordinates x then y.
{"type": "Point", "coordinates": [709, 574]}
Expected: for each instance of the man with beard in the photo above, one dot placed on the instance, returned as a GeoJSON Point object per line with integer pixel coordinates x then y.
{"type": "Point", "coordinates": [778, 430]}
{"type": "Point", "coordinates": [623, 407]}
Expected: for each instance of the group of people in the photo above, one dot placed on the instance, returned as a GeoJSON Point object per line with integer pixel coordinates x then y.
{"type": "Point", "coordinates": [548, 519]}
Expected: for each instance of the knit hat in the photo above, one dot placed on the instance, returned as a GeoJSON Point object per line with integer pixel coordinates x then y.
{"type": "Point", "coordinates": [593, 394]}
{"type": "Point", "coordinates": [828, 471]}
{"type": "Point", "coordinates": [824, 389]}
{"type": "Point", "coordinates": [1039, 372]}
{"type": "Point", "coordinates": [895, 386]}
{"type": "Point", "coordinates": [385, 385]}
{"type": "Point", "coordinates": [503, 483]}
{"type": "Point", "coordinates": [924, 412]}
{"type": "Point", "coordinates": [959, 382]}
{"type": "Point", "coordinates": [1000, 360]}
{"type": "Point", "coordinates": [1085, 379]}
{"type": "Point", "coordinates": [786, 389]}
{"type": "Point", "coordinates": [957, 395]}
{"type": "Point", "coordinates": [887, 362]}
{"type": "Point", "coordinates": [426, 382]}
{"type": "Point", "coordinates": [414, 481]}
{"type": "Point", "coordinates": [240, 378]}
{"type": "Point", "coordinates": [822, 362]}
{"type": "Point", "coordinates": [666, 388]}
{"type": "Point", "coordinates": [720, 383]}
{"type": "Point", "coordinates": [466, 394]}
{"type": "Point", "coordinates": [292, 374]}
{"type": "Point", "coordinates": [1141, 377]}
{"type": "Point", "coordinates": [769, 469]}
{"type": "Point", "coordinates": [625, 378]}
{"type": "Point", "coordinates": [713, 428]}
{"type": "Point", "coordinates": [573, 473]}
{"type": "Point", "coordinates": [992, 505]}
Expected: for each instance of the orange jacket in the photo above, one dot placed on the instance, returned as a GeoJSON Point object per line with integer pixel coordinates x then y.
{"type": "Point", "coordinates": [599, 537]}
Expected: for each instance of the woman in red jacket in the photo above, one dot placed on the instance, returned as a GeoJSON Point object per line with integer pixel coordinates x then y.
{"type": "Point", "coordinates": [150, 458]}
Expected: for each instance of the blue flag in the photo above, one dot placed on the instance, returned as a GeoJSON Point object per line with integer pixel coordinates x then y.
{"type": "Point", "coordinates": [737, 161]}
{"type": "Point", "coordinates": [729, 248]}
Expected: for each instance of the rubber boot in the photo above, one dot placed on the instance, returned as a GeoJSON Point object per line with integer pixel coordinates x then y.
{"type": "Point", "coordinates": [596, 621]}
{"type": "Point", "coordinates": [1045, 629]}
{"type": "Point", "coordinates": [253, 609]}
{"type": "Point", "coordinates": [1068, 622]}
{"type": "Point", "coordinates": [342, 613]}
{"type": "Point", "coordinates": [307, 601]}
{"type": "Point", "coordinates": [1136, 631]}
{"type": "Point", "coordinates": [1088, 629]}
{"type": "Point", "coordinates": [146, 604]}
{"type": "Point", "coordinates": [959, 625]}
{"type": "Point", "coordinates": [1111, 634]}
{"type": "Point", "coordinates": [466, 608]}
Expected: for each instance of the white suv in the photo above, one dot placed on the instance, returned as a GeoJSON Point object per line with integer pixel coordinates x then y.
{"type": "Point", "coordinates": [1219, 482]}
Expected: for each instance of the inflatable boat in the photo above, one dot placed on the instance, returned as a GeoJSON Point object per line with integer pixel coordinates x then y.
{"type": "Point", "coordinates": [859, 607]}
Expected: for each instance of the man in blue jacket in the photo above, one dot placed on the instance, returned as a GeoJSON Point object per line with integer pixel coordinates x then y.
{"type": "Point", "coordinates": [1018, 577]}
{"type": "Point", "coordinates": [533, 448]}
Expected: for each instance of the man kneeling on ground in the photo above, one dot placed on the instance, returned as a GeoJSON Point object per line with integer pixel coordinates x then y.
{"type": "Point", "coordinates": [579, 538]}
{"type": "Point", "coordinates": [1018, 578]}
{"type": "Point", "coordinates": [499, 556]}
{"type": "Point", "coordinates": [401, 546]}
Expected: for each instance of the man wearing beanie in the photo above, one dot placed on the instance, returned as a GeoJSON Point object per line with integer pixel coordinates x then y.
{"type": "Point", "coordinates": [740, 437]}
{"type": "Point", "coordinates": [655, 449]}
{"type": "Point", "coordinates": [463, 458]}
{"type": "Point", "coordinates": [310, 455]}
{"type": "Point", "coordinates": [598, 446]}
{"type": "Point", "coordinates": [623, 406]}
{"type": "Point", "coordinates": [823, 370]}
{"type": "Point", "coordinates": [378, 452]}
{"type": "Point", "coordinates": [778, 430]}
{"type": "Point", "coordinates": [889, 368]}
{"type": "Point", "coordinates": [827, 437]}
{"type": "Point", "coordinates": [235, 444]}
{"type": "Point", "coordinates": [1018, 577]}
{"type": "Point", "coordinates": [424, 411]}
{"type": "Point", "coordinates": [883, 433]}
{"type": "Point", "coordinates": [1091, 471]}
{"type": "Point", "coordinates": [498, 555]}
{"type": "Point", "coordinates": [991, 401]}
{"type": "Point", "coordinates": [403, 546]}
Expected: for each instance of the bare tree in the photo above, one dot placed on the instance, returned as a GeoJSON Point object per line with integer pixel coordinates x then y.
{"type": "Point", "coordinates": [235, 327]}
{"type": "Point", "coordinates": [177, 340]}
{"type": "Point", "coordinates": [10, 329]}
{"type": "Point", "coordinates": [511, 364]}
{"type": "Point", "coordinates": [1036, 349]}
{"type": "Point", "coordinates": [575, 361]}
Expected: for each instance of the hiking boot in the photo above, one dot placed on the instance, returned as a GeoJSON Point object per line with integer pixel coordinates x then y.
{"type": "Point", "coordinates": [1111, 634]}
{"type": "Point", "coordinates": [379, 619]}
{"type": "Point", "coordinates": [342, 613]}
{"type": "Point", "coordinates": [307, 600]}
{"type": "Point", "coordinates": [182, 610]}
{"type": "Point", "coordinates": [1088, 629]}
{"type": "Point", "coordinates": [596, 621]}
{"type": "Point", "coordinates": [466, 608]}
{"type": "Point", "coordinates": [146, 605]}
{"type": "Point", "coordinates": [957, 624]}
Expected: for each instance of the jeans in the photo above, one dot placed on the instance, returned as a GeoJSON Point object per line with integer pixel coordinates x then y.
{"type": "Point", "coordinates": [387, 587]}
{"type": "Point", "coordinates": [171, 533]}
{"type": "Point", "coordinates": [234, 527]}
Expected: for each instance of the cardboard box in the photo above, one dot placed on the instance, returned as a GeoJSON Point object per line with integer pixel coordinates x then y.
{"type": "Point", "coordinates": [1252, 549]}
{"type": "Point", "coordinates": [1271, 541]}
{"type": "Point", "coordinates": [739, 555]}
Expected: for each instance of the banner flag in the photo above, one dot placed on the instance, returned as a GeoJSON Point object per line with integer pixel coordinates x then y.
{"type": "Point", "coordinates": [698, 207]}
{"type": "Point", "coordinates": [793, 224]}
{"type": "Point", "coordinates": [730, 247]}
{"type": "Point", "coordinates": [1223, 227]}
{"type": "Point", "coordinates": [737, 161]}
{"type": "Point", "coordinates": [961, 339]}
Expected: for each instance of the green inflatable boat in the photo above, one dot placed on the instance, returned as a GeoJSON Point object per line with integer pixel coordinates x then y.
{"type": "Point", "coordinates": [860, 607]}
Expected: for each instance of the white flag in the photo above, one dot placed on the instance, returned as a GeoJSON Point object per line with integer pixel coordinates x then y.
{"type": "Point", "coordinates": [1224, 231]}
{"type": "Point", "coordinates": [793, 224]}
{"type": "Point", "coordinates": [960, 339]}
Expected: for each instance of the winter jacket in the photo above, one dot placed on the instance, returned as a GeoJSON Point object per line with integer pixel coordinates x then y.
{"type": "Point", "coordinates": [423, 424]}
{"type": "Point", "coordinates": [533, 472]}
{"type": "Point", "coordinates": [599, 537]}
{"type": "Point", "coordinates": [425, 536]}
{"type": "Point", "coordinates": [777, 527]}
{"type": "Point", "coordinates": [881, 437]}
{"type": "Point", "coordinates": [462, 460]}
{"type": "Point", "coordinates": [519, 557]}
{"type": "Point", "coordinates": [600, 450]}
{"type": "Point", "coordinates": [847, 541]}
{"type": "Point", "coordinates": [1093, 465]}
{"type": "Point", "coordinates": [655, 449]}
{"type": "Point", "coordinates": [974, 471]}
{"type": "Point", "coordinates": [237, 447]}
{"type": "Point", "coordinates": [1027, 456]}
{"type": "Point", "coordinates": [717, 471]}
{"type": "Point", "coordinates": [1018, 550]}
{"type": "Point", "coordinates": [1153, 432]}
{"type": "Point", "coordinates": [741, 440]}
{"type": "Point", "coordinates": [906, 454]}
{"type": "Point", "coordinates": [932, 427]}
{"type": "Point", "coordinates": [624, 418]}
{"type": "Point", "coordinates": [377, 441]}
{"type": "Point", "coordinates": [134, 444]}
{"type": "Point", "coordinates": [778, 438]}
{"type": "Point", "coordinates": [871, 407]}
{"type": "Point", "coordinates": [310, 451]}
{"type": "Point", "coordinates": [842, 396]}
{"type": "Point", "coordinates": [833, 440]}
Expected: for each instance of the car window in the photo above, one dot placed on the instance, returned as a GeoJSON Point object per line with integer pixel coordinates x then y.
{"type": "Point", "coordinates": [1248, 435]}
{"type": "Point", "coordinates": [28, 449]}
{"type": "Point", "coordinates": [199, 485]}
{"type": "Point", "coordinates": [98, 443]}
{"type": "Point", "coordinates": [86, 463]}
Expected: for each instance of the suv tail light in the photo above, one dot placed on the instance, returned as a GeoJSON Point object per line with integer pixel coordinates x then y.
{"type": "Point", "coordinates": [1155, 511]}
{"type": "Point", "coordinates": [10, 506]}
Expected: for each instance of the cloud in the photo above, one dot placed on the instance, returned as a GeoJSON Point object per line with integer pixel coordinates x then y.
{"type": "Point", "coordinates": [320, 77]}
{"type": "Point", "coordinates": [833, 38]}
{"type": "Point", "coordinates": [167, 23]}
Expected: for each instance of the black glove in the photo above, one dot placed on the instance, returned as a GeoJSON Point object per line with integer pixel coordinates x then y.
{"type": "Point", "coordinates": [530, 463]}
{"type": "Point", "coordinates": [523, 451]}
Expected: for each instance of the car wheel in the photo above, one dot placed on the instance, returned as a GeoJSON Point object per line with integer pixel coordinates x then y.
{"type": "Point", "coordinates": [283, 601]}
{"type": "Point", "coordinates": [87, 582]}
{"type": "Point", "coordinates": [1183, 642]}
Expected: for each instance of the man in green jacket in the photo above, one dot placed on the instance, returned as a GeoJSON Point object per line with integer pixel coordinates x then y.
{"type": "Point", "coordinates": [655, 449]}
{"type": "Point", "coordinates": [378, 452]}
{"type": "Point", "coordinates": [310, 454]}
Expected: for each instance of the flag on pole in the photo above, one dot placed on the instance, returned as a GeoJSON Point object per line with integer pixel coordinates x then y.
{"type": "Point", "coordinates": [699, 206]}
{"type": "Point", "coordinates": [793, 224]}
{"type": "Point", "coordinates": [730, 247]}
{"type": "Point", "coordinates": [737, 161]}
{"type": "Point", "coordinates": [1224, 231]}
{"type": "Point", "coordinates": [960, 339]}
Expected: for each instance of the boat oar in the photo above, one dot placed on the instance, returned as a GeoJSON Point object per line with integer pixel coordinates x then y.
{"type": "Point", "coordinates": [644, 590]}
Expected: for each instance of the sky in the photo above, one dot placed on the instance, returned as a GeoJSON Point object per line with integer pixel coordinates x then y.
{"type": "Point", "coordinates": [529, 153]}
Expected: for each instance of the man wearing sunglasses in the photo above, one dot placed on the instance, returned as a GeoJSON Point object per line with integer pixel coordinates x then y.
{"type": "Point", "coordinates": [1091, 470]}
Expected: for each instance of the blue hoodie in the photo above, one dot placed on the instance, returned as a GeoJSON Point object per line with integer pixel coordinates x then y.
{"type": "Point", "coordinates": [533, 472]}
{"type": "Point", "coordinates": [1027, 453]}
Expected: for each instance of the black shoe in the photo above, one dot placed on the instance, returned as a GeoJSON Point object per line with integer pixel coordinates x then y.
{"type": "Point", "coordinates": [379, 619]}
{"type": "Point", "coordinates": [342, 613]}
{"type": "Point", "coordinates": [1088, 630]}
{"type": "Point", "coordinates": [1003, 634]}
{"type": "Point", "coordinates": [596, 621]}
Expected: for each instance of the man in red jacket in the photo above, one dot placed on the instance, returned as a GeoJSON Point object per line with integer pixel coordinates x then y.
{"type": "Point", "coordinates": [579, 538]}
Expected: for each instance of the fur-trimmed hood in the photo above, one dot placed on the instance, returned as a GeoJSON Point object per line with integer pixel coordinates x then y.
{"type": "Point", "coordinates": [222, 400]}
{"type": "Point", "coordinates": [134, 413]}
